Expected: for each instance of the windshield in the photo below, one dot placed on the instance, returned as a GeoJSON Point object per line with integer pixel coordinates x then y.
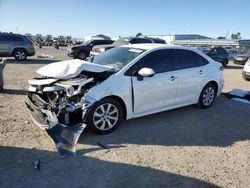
{"type": "Point", "coordinates": [122, 41]}
{"type": "Point", "coordinates": [86, 42]}
{"type": "Point", "coordinates": [117, 58]}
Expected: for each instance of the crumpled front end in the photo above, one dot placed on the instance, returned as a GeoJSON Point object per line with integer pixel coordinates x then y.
{"type": "Point", "coordinates": [59, 108]}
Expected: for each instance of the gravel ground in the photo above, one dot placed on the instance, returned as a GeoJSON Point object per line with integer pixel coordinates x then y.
{"type": "Point", "coordinates": [185, 147]}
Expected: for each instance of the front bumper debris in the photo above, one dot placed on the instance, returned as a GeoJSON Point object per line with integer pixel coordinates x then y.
{"type": "Point", "coordinates": [65, 137]}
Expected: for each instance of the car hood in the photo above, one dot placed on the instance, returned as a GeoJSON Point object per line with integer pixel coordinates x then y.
{"type": "Point", "coordinates": [64, 70]}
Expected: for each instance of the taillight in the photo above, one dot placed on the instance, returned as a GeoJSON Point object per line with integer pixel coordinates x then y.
{"type": "Point", "coordinates": [31, 45]}
{"type": "Point", "coordinates": [221, 68]}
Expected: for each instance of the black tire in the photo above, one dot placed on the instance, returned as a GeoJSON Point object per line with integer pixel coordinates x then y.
{"type": "Point", "coordinates": [107, 120]}
{"type": "Point", "coordinates": [20, 54]}
{"type": "Point", "coordinates": [207, 96]}
{"type": "Point", "coordinates": [225, 62]}
{"type": "Point", "coordinates": [81, 55]}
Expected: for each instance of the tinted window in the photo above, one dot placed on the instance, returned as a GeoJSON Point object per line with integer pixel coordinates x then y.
{"type": "Point", "coordinates": [10, 38]}
{"type": "Point", "coordinates": [188, 59]}
{"type": "Point", "coordinates": [146, 41]}
{"type": "Point", "coordinates": [222, 51]}
{"type": "Point", "coordinates": [135, 41]}
{"type": "Point", "coordinates": [159, 41]}
{"type": "Point", "coordinates": [160, 61]}
{"type": "Point", "coordinates": [200, 61]}
{"type": "Point", "coordinates": [184, 59]}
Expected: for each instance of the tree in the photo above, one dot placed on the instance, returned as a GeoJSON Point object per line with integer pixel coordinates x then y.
{"type": "Point", "coordinates": [138, 34]}
{"type": "Point", "coordinates": [236, 36]}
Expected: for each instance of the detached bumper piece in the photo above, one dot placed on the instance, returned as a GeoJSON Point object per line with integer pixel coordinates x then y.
{"type": "Point", "coordinates": [65, 137]}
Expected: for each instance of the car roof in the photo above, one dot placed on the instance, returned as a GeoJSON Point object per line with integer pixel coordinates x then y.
{"type": "Point", "coordinates": [150, 46]}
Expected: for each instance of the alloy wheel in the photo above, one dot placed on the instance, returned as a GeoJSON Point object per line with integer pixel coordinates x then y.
{"type": "Point", "coordinates": [208, 96]}
{"type": "Point", "coordinates": [105, 116]}
{"type": "Point", "coordinates": [20, 55]}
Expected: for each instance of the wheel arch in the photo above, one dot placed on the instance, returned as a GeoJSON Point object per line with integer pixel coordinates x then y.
{"type": "Point", "coordinates": [215, 84]}
{"type": "Point", "coordinates": [122, 103]}
{"type": "Point", "coordinates": [18, 48]}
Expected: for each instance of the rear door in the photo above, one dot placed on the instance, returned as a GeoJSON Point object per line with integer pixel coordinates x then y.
{"type": "Point", "coordinates": [190, 74]}
{"type": "Point", "coordinates": [155, 92]}
{"type": "Point", "coordinates": [5, 45]}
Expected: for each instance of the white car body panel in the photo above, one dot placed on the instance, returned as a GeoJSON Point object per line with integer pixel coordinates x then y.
{"type": "Point", "coordinates": [247, 67]}
{"type": "Point", "coordinates": [158, 91]}
{"type": "Point", "coordinates": [42, 82]}
{"type": "Point", "coordinates": [146, 103]}
{"type": "Point", "coordinates": [152, 94]}
{"type": "Point", "coordinates": [69, 69]}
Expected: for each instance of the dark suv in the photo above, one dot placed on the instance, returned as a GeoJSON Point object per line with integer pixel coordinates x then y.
{"type": "Point", "coordinates": [123, 41]}
{"type": "Point", "coordinates": [16, 45]}
{"type": "Point", "coordinates": [219, 54]}
{"type": "Point", "coordinates": [82, 51]}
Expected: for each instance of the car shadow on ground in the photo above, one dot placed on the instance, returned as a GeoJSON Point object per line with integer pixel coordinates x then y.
{"type": "Point", "coordinates": [31, 61]}
{"type": "Point", "coordinates": [222, 124]}
{"type": "Point", "coordinates": [13, 91]}
{"type": "Point", "coordinates": [17, 169]}
{"type": "Point", "coordinates": [234, 67]}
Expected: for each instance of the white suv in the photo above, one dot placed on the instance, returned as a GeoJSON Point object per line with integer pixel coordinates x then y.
{"type": "Point", "coordinates": [123, 82]}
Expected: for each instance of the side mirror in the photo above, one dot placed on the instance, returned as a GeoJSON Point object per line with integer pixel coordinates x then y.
{"type": "Point", "coordinates": [145, 72]}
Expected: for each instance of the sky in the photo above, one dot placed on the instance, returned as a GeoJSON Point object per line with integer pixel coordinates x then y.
{"type": "Point", "coordinates": [114, 18]}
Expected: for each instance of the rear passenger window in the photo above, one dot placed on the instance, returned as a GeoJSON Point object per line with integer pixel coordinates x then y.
{"type": "Point", "coordinates": [145, 41]}
{"type": "Point", "coordinates": [184, 59]}
{"type": "Point", "coordinates": [200, 61]}
{"type": "Point", "coordinates": [16, 38]}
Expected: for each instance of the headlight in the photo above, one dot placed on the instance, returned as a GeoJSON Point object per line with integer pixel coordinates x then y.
{"type": "Point", "coordinates": [102, 49]}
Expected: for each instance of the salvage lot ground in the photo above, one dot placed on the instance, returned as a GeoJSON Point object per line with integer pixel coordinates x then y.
{"type": "Point", "coordinates": [185, 147]}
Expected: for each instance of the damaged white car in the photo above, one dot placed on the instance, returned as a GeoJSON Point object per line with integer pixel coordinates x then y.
{"type": "Point", "coordinates": [124, 82]}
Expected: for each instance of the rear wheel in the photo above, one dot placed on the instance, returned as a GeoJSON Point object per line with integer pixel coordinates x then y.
{"type": "Point", "coordinates": [225, 62]}
{"type": "Point", "coordinates": [20, 54]}
{"type": "Point", "coordinates": [104, 116]}
{"type": "Point", "coordinates": [207, 96]}
{"type": "Point", "coordinates": [81, 55]}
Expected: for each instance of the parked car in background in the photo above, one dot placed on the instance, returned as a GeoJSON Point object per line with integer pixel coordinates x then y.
{"type": "Point", "coordinates": [219, 54]}
{"type": "Point", "coordinates": [82, 51]}
{"type": "Point", "coordinates": [241, 59]}
{"type": "Point", "coordinates": [16, 45]}
{"type": "Point", "coordinates": [123, 41]}
{"type": "Point", "coordinates": [123, 82]}
{"type": "Point", "coordinates": [246, 70]}
{"type": "Point", "coordinates": [232, 53]}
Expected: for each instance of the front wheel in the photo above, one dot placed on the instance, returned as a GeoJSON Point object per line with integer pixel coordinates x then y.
{"type": "Point", "coordinates": [104, 116]}
{"type": "Point", "coordinates": [207, 96]}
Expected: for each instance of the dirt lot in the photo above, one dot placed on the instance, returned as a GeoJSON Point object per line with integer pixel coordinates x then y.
{"type": "Point", "coordinates": [185, 147]}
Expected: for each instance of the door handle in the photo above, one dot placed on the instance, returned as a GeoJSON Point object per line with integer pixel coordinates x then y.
{"type": "Point", "coordinates": [200, 72]}
{"type": "Point", "coordinates": [172, 78]}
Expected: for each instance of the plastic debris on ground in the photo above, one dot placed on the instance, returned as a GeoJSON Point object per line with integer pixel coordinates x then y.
{"type": "Point", "coordinates": [45, 56]}
{"type": "Point", "coordinates": [239, 95]}
{"type": "Point", "coordinates": [65, 138]}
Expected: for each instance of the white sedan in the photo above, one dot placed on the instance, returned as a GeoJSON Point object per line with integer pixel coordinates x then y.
{"type": "Point", "coordinates": [124, 82]}
{"type": "Point", "coordinates": [246, 71]}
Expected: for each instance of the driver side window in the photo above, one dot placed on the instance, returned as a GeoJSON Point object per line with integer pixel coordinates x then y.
{"type": "Point", "coordinates": [160, 61]}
